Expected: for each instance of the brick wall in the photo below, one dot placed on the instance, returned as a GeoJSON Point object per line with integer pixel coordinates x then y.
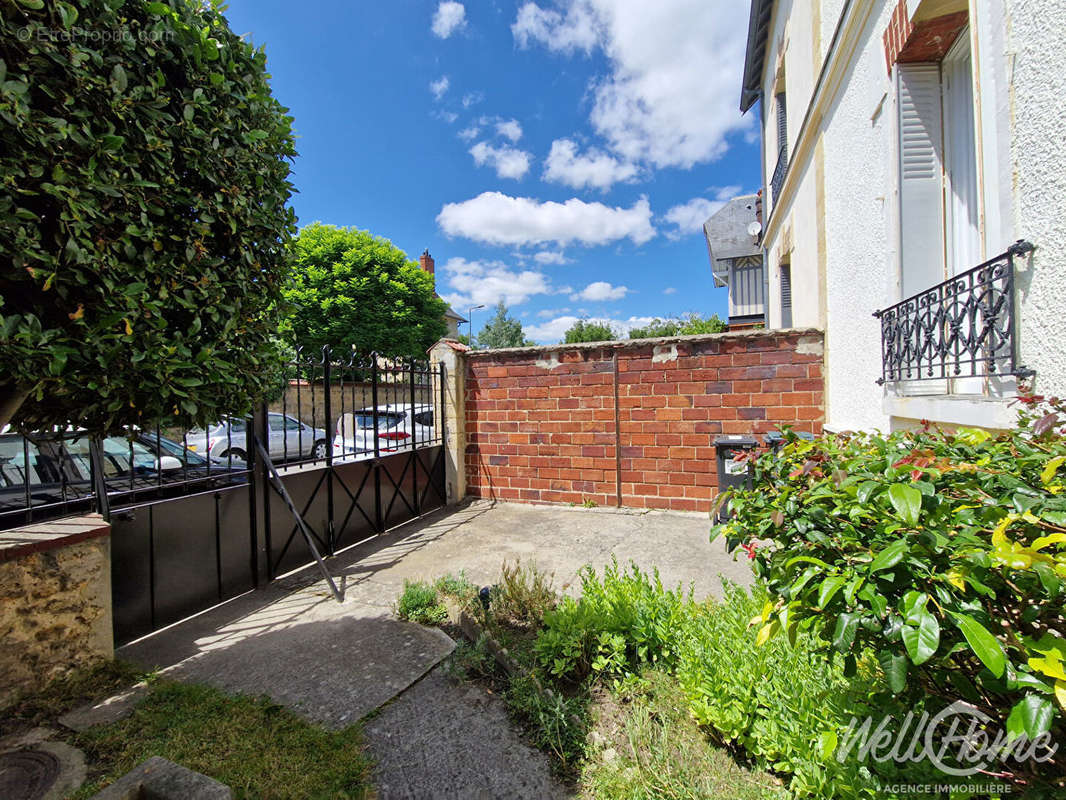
{"type": "Point", "coordinates": [541, 422]}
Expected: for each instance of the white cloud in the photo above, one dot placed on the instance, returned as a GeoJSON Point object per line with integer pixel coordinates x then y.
{"type": "Point", "coordinates": [510, 129]}
{"type": "Point", "coordinates": [553, 331]}
{"type": "Point", "coordinates": [600, 291]}
{"type": "Point", "coordinates": [669, 290]}
{"type": "Point", "coordinates": [594, 168]}
{"type": "Point", "coordinates": [509, 162]}
{"type": "Point", "coordinates": [689, 217]}
{"type": "Point", "coordinates": [576, 31]}
{"type": "Point", "coordinates": [448, 116]}
{"type": "Point", "coordinates": [472, 99]}
{"type": "Point", "coordinates": [449, 17]}
{"type": "Point", "coordinates": [439, 86]}
{"type": "Point", "coordinates": [670, 97]}
{"type": "Point", "coordinates": [497, 218]}
{"type": "Point", "coordinates": [489, 282]}
{"type": "Point", "coordinates": [551, 257]}
{"type": "Point", "coordinates": [546, 313]}
{"type": "Point", "coordinates": [469, 134]}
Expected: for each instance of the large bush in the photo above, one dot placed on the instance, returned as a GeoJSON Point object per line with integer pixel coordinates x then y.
{"type": "Point", "coordinates": [351, 289]}
{"type": "Point", "coordinates": [943, 552]}
{"type": "Point", "coordinates": [145, 174]}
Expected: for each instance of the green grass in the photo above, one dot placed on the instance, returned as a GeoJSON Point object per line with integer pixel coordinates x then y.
{"type": "Point", "coordinates": [71, 691]}
{"type": "Point", "coordinates": [644, 744]}
{"type": "Point", "coordinates": [260, 749]}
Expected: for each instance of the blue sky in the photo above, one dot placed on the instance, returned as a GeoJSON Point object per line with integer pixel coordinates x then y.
{"type": "Point", "coordinates": [557, 155]}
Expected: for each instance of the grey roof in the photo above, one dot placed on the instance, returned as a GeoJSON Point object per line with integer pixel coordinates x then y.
{"type": "Point", "coordinates": [727, 235]}
{"type": "Point", "coordinates": [450, 314]}
{"type": "Point", "coordinates": [755, 56]}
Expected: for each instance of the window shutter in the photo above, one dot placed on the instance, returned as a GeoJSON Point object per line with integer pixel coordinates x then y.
{"type": "Point", "coordinates": [921, 193]}
{"type": "Point", "coordinates": [786, 295]}
{"type": "Point", "coordinates": [782, 121]}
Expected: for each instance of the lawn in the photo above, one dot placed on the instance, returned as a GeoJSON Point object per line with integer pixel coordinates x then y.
{"type": "Point", "coordinates": [258, 748]}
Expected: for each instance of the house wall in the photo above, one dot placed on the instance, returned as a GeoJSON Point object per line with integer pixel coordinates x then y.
{"type": "Point", "coordinates": [841, 222]}
{"type": "Point", "coordinates": [1036, 33]}
{"type": "Point", "coordinates": [540, 423]}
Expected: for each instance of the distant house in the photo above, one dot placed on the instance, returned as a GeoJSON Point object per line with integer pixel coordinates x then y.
{"type": "Point", "coordinates": [452, 319]}
{"type": "Point", "coordinates": [913, 160]}
{"type": "Point", "coordinates": [734, 245]}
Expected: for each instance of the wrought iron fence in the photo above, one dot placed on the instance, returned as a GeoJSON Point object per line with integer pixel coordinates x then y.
{"type": "Point", "coordinates": [329, 408]}
{"type": "Point", "coordinates": [778, 179]}
{"type": "Point", "coordinates": [961, 328]}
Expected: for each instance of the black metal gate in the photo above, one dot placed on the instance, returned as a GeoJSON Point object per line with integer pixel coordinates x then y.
{"type": "Point", "coordinates": [358, 445]}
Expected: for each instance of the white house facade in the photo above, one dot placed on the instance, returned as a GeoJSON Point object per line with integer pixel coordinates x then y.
{"type": "Point", "coordinates": [914, 154]}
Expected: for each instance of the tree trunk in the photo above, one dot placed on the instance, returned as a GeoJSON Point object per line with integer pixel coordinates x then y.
{"type": "Point", "coordinates": [11, 399]}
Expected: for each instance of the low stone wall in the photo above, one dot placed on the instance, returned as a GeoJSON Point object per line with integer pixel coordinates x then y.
{"type": "Point", "coordinates": [55, 602]}
{"type": "Point", "coordinates": [630, 423]}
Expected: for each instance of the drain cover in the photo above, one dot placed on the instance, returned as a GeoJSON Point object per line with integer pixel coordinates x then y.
{"type": "Point", "coordinates": [27, 774]}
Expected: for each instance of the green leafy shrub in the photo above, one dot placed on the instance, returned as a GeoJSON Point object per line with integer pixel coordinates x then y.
{"type": "Point", "coordinates": [787, 705]}
{"type": "Point", "coordinates": [688, 325]}
{"type": "Point", "coordinates": [621, 621]}
{"type": "Point", "coordinates": [943, 552]}
{"type": "Point", "coordinates": [523, 595]}
{"type": "Point", "coordinates": [458, 586]}
{"type": "Point", "coordinates": [420, 603]}
{"type": "Point", "coordinates": [145, 214]}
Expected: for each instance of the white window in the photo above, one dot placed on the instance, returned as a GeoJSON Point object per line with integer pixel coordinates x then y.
{"type": "Point", "coordinates": [939, 232]}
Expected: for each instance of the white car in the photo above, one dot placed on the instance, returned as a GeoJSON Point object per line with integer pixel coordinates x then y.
{"type": "Point", "coordinates": [287, 436]}
{"type": "Point", "coordinates": [400, 426]}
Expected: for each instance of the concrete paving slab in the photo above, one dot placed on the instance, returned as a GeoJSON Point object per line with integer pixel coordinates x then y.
{"type": "Point", "coordinates": [445, 741]}
{"type": "Point", "coordinates": [105, 712]}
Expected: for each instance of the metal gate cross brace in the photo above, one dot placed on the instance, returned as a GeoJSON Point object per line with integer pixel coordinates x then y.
{"type": "Point", "coordinates": [279, 486]}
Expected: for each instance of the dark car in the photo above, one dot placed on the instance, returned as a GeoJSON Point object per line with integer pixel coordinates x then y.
{"type": "Point", "coordinates": [52, 473]}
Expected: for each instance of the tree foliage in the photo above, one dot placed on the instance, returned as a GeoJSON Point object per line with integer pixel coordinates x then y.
{"type": "Point", "coordinates": [351, 289]}
{"type": "Point", "coordinates": [688, 325]}
{"type": "Point", "coordinates": [585, 330]}
{"type": "Point", "coordinates": [145, 170]}
{"type": "Point", "coordinates": [502, 330]}
{"type": "Point", "coordinates": [945, 553]}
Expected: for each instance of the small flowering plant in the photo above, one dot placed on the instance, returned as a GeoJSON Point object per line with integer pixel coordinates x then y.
{"type": "Point", "coordinates": [944, 553]}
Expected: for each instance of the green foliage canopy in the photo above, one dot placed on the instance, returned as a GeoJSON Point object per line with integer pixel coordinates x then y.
{"type": "Point", "coordinates": [585, 330]}
{"type": "Point", "coordinates": [145, 170]}
{"type": "Point", "coordinates": [350, 289]}
{"type": "Point", "coordinates": [502, 330]}
{"type": "Point", "coordinates": [688, 325]}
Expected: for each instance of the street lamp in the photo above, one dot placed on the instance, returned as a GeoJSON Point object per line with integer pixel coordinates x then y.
{"type": "Point", "coordinates": [470, 321]}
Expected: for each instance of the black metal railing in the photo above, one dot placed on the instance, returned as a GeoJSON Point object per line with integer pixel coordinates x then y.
{"type": "Point", "coordinates": [780, 170]}
{"type": "Point", "coordinates": [326, 409]}
{"type": "Point", "coordinates": [964, 327]}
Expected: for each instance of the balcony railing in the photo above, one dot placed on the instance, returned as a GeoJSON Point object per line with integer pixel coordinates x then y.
{"type": "Point", "coordinates": [779, 173]}
{"type": "Point", "coordinates": [964, 327]}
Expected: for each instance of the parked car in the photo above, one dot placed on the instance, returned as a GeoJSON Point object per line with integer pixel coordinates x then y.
{"type": "Point", "coordinates": [287, 438]}
{"type": "Point", "coordinates": [399, 426]}
{"type": "Point", "coordinates": [56, 468]}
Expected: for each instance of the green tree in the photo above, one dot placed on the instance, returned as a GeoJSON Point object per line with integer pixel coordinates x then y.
{"type": "Point", "coordinates": [351, 289]}
{"type": "Point", "coordinates": [585, 330]}
{"type": "Point", "coordinates": [145, 214]}
{"type": "Point", "coordinates": [502, 330]}
{"type": "Point", "coordinates": [688, 325]}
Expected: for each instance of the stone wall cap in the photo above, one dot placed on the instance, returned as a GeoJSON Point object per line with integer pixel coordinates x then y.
{"type": "Point", "coordinates": [619, 344]}
{"type": "Point", "coordinates": [53, 534]}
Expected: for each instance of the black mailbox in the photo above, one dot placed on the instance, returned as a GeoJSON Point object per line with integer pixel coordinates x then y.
{"type": "Point", "coordinates": [775, 440]}
{"type": "Point", "coordinates": [733, 471]}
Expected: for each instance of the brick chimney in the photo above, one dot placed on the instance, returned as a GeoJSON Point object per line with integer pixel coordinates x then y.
{"type": "Point", "coordinates": [426, 261]}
